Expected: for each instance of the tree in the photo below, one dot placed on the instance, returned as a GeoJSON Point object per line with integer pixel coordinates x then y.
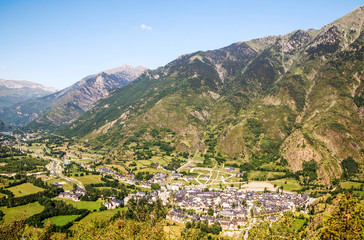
{"type": "Point", "coordinates": [155, 186]}
{"type": "Point", "coordinates": [347, 221]}
{"type": "Point", "coordinates": [210, 212]}
{"type": "Point", "coordinates": [350, 166]}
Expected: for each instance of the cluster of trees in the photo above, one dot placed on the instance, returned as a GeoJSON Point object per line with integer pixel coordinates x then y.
{"type": "Point", "coordinates": [50, 191]}
{"type": "Point", "coordinates": [8, 151]}
{"type": "Point", "coordinates": [55, 208]}
{"type": "Point", "coordinates": [143, 211]}
{"type": "Point", "coordinates": [94, 193]}
{"type": "Point", "coordinates": [174, 164]}
{"type": "Point", "coordinates": [350, 167]}
{"type": "Point", "coordinates": [199, 229]}
{"type": "Point", "coordinates": [143, 176]}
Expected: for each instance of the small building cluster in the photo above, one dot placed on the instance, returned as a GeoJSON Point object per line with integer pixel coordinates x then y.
{"type": "Point", "coordinates": [114, 203]}
{"type": "Point", "coordinates": [74, 194]}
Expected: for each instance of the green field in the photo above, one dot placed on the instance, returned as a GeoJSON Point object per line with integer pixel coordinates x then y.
{"type": "Point", "coordinates": [103, 215]}
{"type": "Point", "coordinates": [291, 185]}
{"type": "Point", "coordinates": [348, 185]}
{"type": "Point", "coordinates": [83, 204]}
{"type": "Point", "coordinates": [66, 186]}
{"type": "Point", "coordinates": [24, 189]}
{"type": "Point", "coordinates": [61, 220]}
{"type": "Point", "coordinates": [89, 179]}
{"type": "Point", "coordinates": [16, 213]}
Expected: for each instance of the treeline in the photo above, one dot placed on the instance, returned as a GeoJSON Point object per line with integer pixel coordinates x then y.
{"type": "Point", "coordinates": [54, 208]}
{"type": "Point", "coordinates": [118, 191]}
{"type": "Point", "coordinates": [199, 229]}
{"type": "Point", "coordinates": [7, 151]}
{"type": "Point", "coordinates": [11, 201]}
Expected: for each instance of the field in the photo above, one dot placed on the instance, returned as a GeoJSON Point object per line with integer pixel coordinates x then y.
{"type": "Point", "coordinates": [348, 185]}
{"type": "Point", "coordinates": [291, 185]}
{"type": "Point", "coordinates": [25, 189]}
{"type": "Point", "coordinates": [83, 204]}
{"type": "Point", "coordinates": [65, 186]}
{"type": "Point", "coordinates": [89, 179]}
{"type": "Point", "coordinates": [173, 229]}
{"type": "Point", "coordinates": [61, 220]}
{"type": "Point", "coordinates": [21, 211]}
{"type": "Point", "coordinates": [103, 215]}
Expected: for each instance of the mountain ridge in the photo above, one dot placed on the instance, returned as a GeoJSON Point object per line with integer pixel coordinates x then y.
{"type": "Point", "coordinates": [291, 98]}
{"type": "Point", "coordinates": [68, 104]}
{"type": "Point", "coordinates": [13, 91]}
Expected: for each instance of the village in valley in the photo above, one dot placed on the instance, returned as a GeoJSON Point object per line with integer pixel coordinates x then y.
{"type": "Point", "coordinates": [232, 207]}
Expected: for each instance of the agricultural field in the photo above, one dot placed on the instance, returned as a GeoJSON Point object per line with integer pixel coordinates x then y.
{"type": "Point", "coordinates": [89, 205]}
{"type": "Point", "coordinates": [23, 211]}
{"type": "Point", "coordinates": [66, 186]}
{"type": "Point", "coordinates": [173, 229]}
{"type": "Point", "coordinates": [103, 215]}
{"type": "Point", "coordinates": [25, 189]}
{"type": "Point", "coordinates": [89, 179]}
{"type": "Point", "coordinates": [61, 220]}
{"type": "Point", "coordinates": [290, 185]}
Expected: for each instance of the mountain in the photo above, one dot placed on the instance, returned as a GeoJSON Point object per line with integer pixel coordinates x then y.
{"type": "Point", "coordinates": [4, 127]}
{"type": "Point", "coordinates": [65, 106]}
{"type": "Point", "coordinates": [281, 100]}
{"type": "Point", "coordinates": [12, 92]}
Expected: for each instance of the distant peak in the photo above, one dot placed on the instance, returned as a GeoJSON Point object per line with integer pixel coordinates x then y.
{"type": "Point", "coordinates": [126, 68]}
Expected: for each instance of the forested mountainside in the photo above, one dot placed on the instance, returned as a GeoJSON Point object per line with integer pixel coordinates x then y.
{"type": "Point", "coordinates": [286, 99]}
{"type": "Point", "coordinates": [65, 106]}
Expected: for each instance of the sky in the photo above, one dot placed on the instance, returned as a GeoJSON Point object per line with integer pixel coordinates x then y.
{"type": "Point", "coordinates": [57, 43]}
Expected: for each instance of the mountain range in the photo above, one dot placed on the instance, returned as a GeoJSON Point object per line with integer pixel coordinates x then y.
{"type": "Point", "coordinates": [62, 107]}
{"type": "Point", "coordinates": [12, 92]}
{"type": "Point", "coordinates": [286, 99]}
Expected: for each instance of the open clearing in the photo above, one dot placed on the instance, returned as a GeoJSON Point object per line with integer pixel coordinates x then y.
{"type": "Point", "coordinates": [24, 189]}
{"type": "Point", "coordinates": [25, 211]}
{"type": "Point", "coordinates": [61, 220]}
{"type": "Point", "coordinates": [89, 179]}
{"type": "Point", "coordinates": [258, 186]}
{"type": "Point", "coordinates": [103, 215]}
{"type": "Point", "coordinates": [83, 204]}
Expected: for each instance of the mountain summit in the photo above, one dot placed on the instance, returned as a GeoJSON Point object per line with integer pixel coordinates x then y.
{"type": "Point", "coordinates": [12, 92]}
{"type": "Point", "coordinates": [277, 100]}
{"type": "Point", "coordinates": [65, 106]}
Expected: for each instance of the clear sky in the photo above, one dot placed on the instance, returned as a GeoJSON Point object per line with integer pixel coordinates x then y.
{"type": "Point", "coordinates": [56, 43]}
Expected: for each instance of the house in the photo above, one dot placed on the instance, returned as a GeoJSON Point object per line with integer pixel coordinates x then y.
{"type": "Point", "coordinates": [57, 184]}
{"type": "Point", "coordinates": [176, 175]}
{"type": "Point", "coordinates": [115, 203]}
{"type": "Point", "coordinates": [190, 178]}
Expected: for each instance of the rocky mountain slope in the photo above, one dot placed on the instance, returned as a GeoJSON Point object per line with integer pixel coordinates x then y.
{"type": "Point", "coordinates": [67, 105]}
{"type": "Point", "coordinates": [283, 99]}
{"type": "Point", "coordinates": [12, 92]}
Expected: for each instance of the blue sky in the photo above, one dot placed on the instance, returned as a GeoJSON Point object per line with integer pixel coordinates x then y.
{"type": "Point", "coordinates": [56, 43]}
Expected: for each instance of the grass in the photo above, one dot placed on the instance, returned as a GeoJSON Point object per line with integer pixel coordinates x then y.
{"type": "Point", "coordinates": [65, 186]}
{"type": "Point", "coordinates": [61, 220]}
{"type": "Point", "coordinates": [89, 179]}
{"type": "Point", "coordinates": [16, 213]}
{"type": "Point", "coordinates": [83, 204]}
{"type": "Point", "coordinates": [298, 223]}
{"type": "Point", "coordinates": [103, 215]}
{"type": "Point", "coordinates": [25, 189]}
{"type": "Point", "coordinates": [348, 185]}
{"type": "Point", "coordinates": [173, 231]}
{"type": "Point", "coordinates": [291, 185]}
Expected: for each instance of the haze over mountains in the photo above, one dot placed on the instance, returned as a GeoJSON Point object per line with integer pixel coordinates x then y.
{"type": "Point", "coordinates": [285, 99]}
{"type": "Point", "coordinates": [68, 104]}
{"type": "Point", "coordinates": [12, 92]}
